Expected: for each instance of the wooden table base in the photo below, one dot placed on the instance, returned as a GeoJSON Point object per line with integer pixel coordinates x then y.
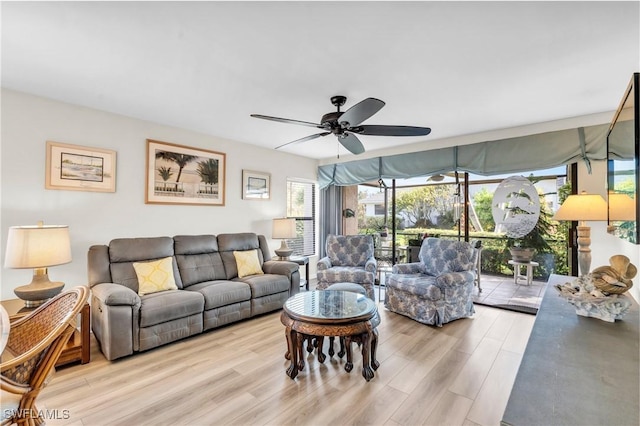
{"type": "Point", "coordinates": [363, 333]}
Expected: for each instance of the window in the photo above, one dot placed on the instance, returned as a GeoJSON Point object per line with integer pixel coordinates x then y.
{"type": "Point", "coordinates": [301, 205]}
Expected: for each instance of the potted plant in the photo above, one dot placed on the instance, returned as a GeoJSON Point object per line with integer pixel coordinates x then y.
{"type": "Point", "coordinates": [523, 249]}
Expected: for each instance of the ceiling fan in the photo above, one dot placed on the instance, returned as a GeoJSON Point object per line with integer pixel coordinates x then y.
{"type": "Point", "coordinates": [346, 125]}
{"type": "Point", "coordinates": [439, 177]}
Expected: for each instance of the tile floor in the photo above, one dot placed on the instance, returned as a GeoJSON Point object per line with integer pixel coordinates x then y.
{"type": "Point", "coordinates": [501, 290]}
{"type": "Point", "coordinates": [496, 290]}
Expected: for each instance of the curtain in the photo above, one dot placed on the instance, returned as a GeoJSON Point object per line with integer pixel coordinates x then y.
{"type": "Point", "coordinates": [532, 152]}
{"type": "Point", "coordinates": [330, 214]}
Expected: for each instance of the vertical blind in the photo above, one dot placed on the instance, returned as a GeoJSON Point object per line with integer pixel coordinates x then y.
{"type": "Point", "coordinates": [301, 206]}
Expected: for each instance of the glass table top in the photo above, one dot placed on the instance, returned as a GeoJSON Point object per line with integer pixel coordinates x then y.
{"type": "Point", "coordinates": [330, 306]}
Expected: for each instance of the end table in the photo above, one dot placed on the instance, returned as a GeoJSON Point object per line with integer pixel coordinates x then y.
{"type": "Point", "coordinates": [302, 261]}
{"type": "Point", "coordinates": [79, 346]}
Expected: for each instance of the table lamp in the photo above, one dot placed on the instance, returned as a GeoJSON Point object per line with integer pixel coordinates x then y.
{"type": "Point", "coordinates": [283, 229]}
{"type": "Point", "coordinates": [582, 207]}
{"type": "Point", "coordinates": [621, 207]}
{"type": "Point", "coordinates": [38, 247]}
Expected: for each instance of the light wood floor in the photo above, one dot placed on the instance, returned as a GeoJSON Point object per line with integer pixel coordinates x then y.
{"type": "Point", "coordinates": [460, 374]}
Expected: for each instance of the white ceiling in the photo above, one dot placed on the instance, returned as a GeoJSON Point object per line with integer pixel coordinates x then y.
{"type": "Point", "coordinates": [457, 67]}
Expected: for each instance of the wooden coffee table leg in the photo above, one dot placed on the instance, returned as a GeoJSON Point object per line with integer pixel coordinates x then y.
{"type": "Point", "coordinates": [374, 348]}
{"type": "Point", "coordinates": [300, 346]}
{"type": "Point", "coordinates": [342, 347]}
{"type": "Point", "coordinates": [331, 351]}
{"type": "Point", "coordinates": [292, 337]}
{"type": "Point", "coordinates": [321, 355]}
{"type": "Point", "coordinates": [347, 343]}
{"type": "Point", "coordinates": [367, 372]}
{"type": "Point", "coordinates": [287, 335]}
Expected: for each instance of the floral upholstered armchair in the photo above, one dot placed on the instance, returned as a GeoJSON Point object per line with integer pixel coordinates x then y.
{"type": "Point", "coordinates": [439, 288]}
{"type": "Point", "coordinates": [349, 258]}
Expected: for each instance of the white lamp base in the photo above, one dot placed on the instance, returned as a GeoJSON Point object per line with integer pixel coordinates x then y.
{"type": "Point", "coordinates": [284, 251]}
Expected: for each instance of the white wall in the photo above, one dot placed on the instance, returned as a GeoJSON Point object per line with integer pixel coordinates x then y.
{"type": "Point", "coordinates": [96, 218]}
{"type": "Point", "coordinates": [604, 245]}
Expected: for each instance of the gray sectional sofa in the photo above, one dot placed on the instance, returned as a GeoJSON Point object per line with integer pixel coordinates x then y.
{"type": "Point", "coordinates": [209, 293]}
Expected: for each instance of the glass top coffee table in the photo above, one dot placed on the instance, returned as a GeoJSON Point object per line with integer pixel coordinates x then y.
{"type": "Point", "coordinates": [312, 315]}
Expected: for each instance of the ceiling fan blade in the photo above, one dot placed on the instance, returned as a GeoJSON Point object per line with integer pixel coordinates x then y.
{"type": "Point", "coordinates": [287, 120]}
{"type": "Point", "coordinates": [374, 130]}
{"type": "Point", "coordinates": [306, 138]}
{"type": "Point", "coordinates": [351, 142]}
{"type": "Point", "coordinates": [360, 112]}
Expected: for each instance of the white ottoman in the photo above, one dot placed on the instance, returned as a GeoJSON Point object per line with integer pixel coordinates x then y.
{"type": "Point", "coordinates": [352, 287]}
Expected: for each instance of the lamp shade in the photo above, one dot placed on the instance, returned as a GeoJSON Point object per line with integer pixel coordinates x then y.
{"type": "Point", "coordinates": [621, 207]}
{"type": "Point", "coordinates": [582, 207]}
{"type": "Point", "coordinates": [37, 246]}
{"type": "Point", "coordinates": [284, 228]}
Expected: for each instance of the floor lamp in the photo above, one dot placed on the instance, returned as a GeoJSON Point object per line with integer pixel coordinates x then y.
{"type": "Point", "coordinates": [583, 207]}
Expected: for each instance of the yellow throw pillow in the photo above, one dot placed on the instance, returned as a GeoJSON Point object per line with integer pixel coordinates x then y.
{"type": "Point", "coordinates": [248, 263]}
{"type": "Point", "coordinates": [155, 276]}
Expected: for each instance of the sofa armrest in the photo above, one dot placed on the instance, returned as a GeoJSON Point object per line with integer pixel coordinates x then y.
{"type": "Point", "coordinates": [452, 279]}
{"type": "Point", "coordinates": [324, 263]}
{"type": "Point", "coordinates": [115, 294]}
{"type": "Point", "coordinates": [407, 268]}
{"type": "Point", "coordinates": [371, 265]}
{"type": "Point", "coordinates": [289, 269]}
{"type": "Point", "coordinates": [115, 313]}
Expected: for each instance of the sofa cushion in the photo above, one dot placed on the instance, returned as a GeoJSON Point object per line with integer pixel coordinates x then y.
{"type": "Point", "coordinates": [248, 263]}
{"type": "Point", "coordinates": [198, 259]}
{"type": "Point", "coordinates": [221, 293]}
{"type": "Point", "coordinates": [339, 274]}
{"type": "Point", "coordinates": [263, 285]}
{"type": "Point", "coordinates": [228, 243]}
{"type": "Point", "coordinates": [157, 308]}
{"type": "Point", "coordinates": [439, 256]}
{"type": "Point", "coordinates": [422, 286]}
{"type": "Point", "coordinates": [123, 252]}
{"type": "Point", "coordinates": [155, 276]}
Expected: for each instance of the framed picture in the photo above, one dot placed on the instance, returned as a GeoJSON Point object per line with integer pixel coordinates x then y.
{"type": "Point", "coordinates": [80, 168]}
{"type": "Point", "coordinates": [178, 174]}
{"type": "Point", "coordinates": [256, 185]}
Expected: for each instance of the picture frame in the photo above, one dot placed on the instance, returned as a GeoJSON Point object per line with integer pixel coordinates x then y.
{"type": "Point", "coordinates": [179, 174]}
{"type": "Point", "coordinates": [256, 185]}
{"type": "Point", "coordinates": [79, 168]}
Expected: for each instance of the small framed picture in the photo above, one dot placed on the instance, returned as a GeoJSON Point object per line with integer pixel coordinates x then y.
{"type": "Point", "coordinates": [80, 168]}
{"type": "Point", "coordinates": [178, 174]}
{"type": "Point", "coordinates": [256, 185]}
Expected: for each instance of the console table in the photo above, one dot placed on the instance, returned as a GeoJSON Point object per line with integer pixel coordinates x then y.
{"type": "Point", "coordinates": [577, 370]}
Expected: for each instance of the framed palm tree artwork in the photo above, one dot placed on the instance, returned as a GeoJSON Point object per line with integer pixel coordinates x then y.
{"type": "Point", "coordinates": [178, 174]}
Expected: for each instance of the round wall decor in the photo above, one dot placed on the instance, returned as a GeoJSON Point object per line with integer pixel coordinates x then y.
{"type": "Point", "coordinates": [516, 206]}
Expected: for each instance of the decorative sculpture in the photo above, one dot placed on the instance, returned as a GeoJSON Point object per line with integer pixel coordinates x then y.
{"type": "Point", "coordinates": [615, 279]}
{"type": "Point", "coordinates": [599, 293]}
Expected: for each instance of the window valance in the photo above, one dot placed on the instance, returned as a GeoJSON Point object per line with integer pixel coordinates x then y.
{"type": "Point", "coordinates": [532, 152]}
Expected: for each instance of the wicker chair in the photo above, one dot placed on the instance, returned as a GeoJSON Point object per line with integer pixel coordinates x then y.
{"type": "Point", "coordinates": [35, 343]}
